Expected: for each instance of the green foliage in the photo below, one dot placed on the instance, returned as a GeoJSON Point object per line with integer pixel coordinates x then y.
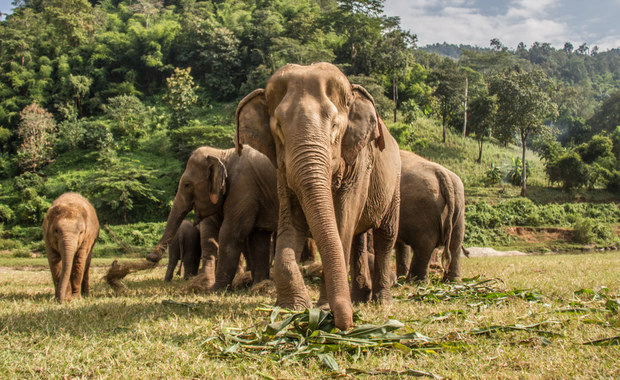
{"type": "Point", "coordinates": [514, 176]}
{"type": "Point", "coordinates": [6, 214]}
{"type": "Point", "coordinates": [493, 176]}
{"type": "Point", "coordinates": [583, 231]}
{"type": "Point", "coordinates": [180, 97]}
{"type": "Point", "coordinates": [36, 133]}
{"type": "Point", "coordinates": [118, 185]}
{"type": "Point", "coordinates": [98, 136]}
{"type": "Point", "coordinates": [129, 119]}
{"type": "Point", "coordinates": [70, 134]}
{"type": "Point", "coordinates": [32, 208]}
{"type": "Point", "coordinates": [184, 140]}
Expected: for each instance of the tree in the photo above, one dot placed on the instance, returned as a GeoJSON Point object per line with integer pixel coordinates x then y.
{"type": "Point", "coordinates": [524, 104]}
{"type": "Point", "coordinates": [449, 82]}
{"type": "Point", "coordinates": [482, 116]}
{"type": "Point", "coordinates": [181, 96]}
{"type": "Point", "coordinates": [607, 117]}
{"type": "Point", "coordinates": [129, 114]}
{"type": "Point", "coordinates": [36, 132]}
{"type": "Point", "coordinates": [118, 184]}
{"type": "Point", "coordinates": [396, 56]}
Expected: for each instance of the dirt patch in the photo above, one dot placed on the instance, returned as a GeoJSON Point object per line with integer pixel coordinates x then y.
{"type": "Point", "coordinates": [540, 234]}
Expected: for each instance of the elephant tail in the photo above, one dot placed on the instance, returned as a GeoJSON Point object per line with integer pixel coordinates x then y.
{"type": "Point", "coordinates": [447, 191]}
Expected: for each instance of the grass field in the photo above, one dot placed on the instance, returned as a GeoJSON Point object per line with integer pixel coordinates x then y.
{"type": "Point", "coordinates": [141, 335]}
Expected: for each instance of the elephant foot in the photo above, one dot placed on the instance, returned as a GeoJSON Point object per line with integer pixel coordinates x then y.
{"type": "Point", "coordinates": [242, 280]}
{"type": "Point", "coordinates": [418, 279]}
{"type": "Point", "coordinates": [265, 287]}
{"type": "Point", "coordinates": [298, 302]}
{"type": "Point", "coordinates": [343, 314]}
{"type": "Point", "coordinates": [362, 295]}
{"type": "Point", "coordinates": [154, 257]}
{"type": "Point", "coordinates": [450, 277]}
{"type": "Point", "coordinates": [200, 284]}
{"type": "Point", "coordinates": [383, 297]}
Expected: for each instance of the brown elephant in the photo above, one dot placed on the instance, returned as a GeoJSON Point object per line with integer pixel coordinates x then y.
{"type": "Point", "coordinates": [432, 214]}
{"type": "Point", "coordinates": [234, 201]}
{"type": "Point", "coordinates": [70, 229]}
{"type": "Point", "coordinates": [185, 247]}
{"type": "Point", "coordinates": [338, 173]}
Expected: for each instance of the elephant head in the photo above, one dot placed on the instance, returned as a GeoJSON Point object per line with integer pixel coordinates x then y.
{"type": "Point", "coordinates": [202, 188]}
{"type": "Point", "coordinates": [312, 124]}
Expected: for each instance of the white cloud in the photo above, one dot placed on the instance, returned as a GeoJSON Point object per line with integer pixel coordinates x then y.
{"type": "Point", "coordinates": [460, 22]}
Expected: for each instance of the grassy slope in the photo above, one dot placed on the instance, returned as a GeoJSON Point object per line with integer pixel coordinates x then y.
{"type": "Point", "coordinates": [136, 336]}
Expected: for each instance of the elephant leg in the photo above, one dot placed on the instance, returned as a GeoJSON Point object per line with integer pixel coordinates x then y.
{"type": "Point", "coordinates": [361, 289]}
{"type": "Point", "coordinates": [384, 240]}
{"type": "Point", "coordinates": [86, 276]}
{"type": "Point", "coordinates": [259, 248]}
{"type": "Point", "coordinates": [77, 272]}
{"type": "Point", "coordinates": [422, 251]}
{"type": "Point", "coordinates": [55, 262]}
{"type": "Point", "coordinates": [292, 227]}
{"type": "Point", "coordinates": [209, 231]}
{"type": "Point", "coordinates": [453, 272]}
{"type": "Point", "coordinates": [232, 238]}
{"type": "Point", "coordinates": [403, 258]}
{"type": "Point", "coordinates": [308, 255]}
{"type": "Point", "coordinates": [173, 259]}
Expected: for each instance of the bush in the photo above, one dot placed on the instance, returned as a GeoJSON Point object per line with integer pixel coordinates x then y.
{"type": "Point", "coordinates": [70, 135]}
{"type": "Point", "coordinates": [6, 214]}
{"type": "Point", "coordinates": [32, 208]}
{"type": "Point", "coordinates": [30, 181]}
{"type": "Point", "coordinates": [570, 170]}
{"type": "Point", "coordinates": [583, 231]}
{"type": "Point", "coordinates": [492, 176]}
{"type": "Point", "coordinates": [184, 140]}
{"type": "Point", "coordinates": [97, 136]}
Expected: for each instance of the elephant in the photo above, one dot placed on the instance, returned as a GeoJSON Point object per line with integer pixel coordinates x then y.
{"type": "Point", "coordinates": [185, 247]}
{"type": "Point", "coordinates": [432, 214]}
{"type": "Point", "coordinates": [70, 229]}
{"type": "Point", "coordinates": [233, 198]}
{"type": "Point", "coordinates": [338, 172]}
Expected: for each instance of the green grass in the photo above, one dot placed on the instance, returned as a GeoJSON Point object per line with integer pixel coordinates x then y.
{"type": "Point", "coordinates": [135, 335]}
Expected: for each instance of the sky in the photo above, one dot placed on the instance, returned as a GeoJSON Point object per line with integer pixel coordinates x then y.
{"type": "Point", "coordinates": [476, 22]}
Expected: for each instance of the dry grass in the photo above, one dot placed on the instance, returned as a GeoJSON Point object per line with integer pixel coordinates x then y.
{"type": "Point", "coordinates": [140, 334]}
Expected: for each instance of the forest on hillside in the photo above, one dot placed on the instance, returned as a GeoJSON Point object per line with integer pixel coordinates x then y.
{"type": "Point", "coordinates": [109, 97]}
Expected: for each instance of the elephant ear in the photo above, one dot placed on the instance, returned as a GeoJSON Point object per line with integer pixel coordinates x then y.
{"type": "Point", "coordinates": [363, 127]}
{"type": "Point", "coordinates": [253, 125]}
{"type": "Point", "coordinates": [217, 178]}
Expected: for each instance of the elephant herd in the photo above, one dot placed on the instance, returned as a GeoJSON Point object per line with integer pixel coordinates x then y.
{"type": "Point", "coordinates": [312, 160]}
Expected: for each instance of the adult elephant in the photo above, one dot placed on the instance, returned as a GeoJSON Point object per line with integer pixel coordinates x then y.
{"type": "Point", "coordinates": [432, 214]}
{"type": "Point", "coordinates": [338, 174]}
{"type": "Point", "coordinates": [236, 208]}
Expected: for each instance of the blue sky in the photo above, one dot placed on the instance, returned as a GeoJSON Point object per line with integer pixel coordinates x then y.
{"type": "Point", "coordinates": [475, 22]}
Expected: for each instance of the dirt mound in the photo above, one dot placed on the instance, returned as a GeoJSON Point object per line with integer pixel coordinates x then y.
{"type": "Point", "coordinates": [538, 234]}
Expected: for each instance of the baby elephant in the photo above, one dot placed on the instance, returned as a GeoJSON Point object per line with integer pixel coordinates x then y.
{"type": "Point", "coordinates": [70, 228]}
{"type": "Point", "coordinates": [185, 246]}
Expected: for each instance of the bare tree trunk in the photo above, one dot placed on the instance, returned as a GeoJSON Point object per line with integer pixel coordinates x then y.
{"type": "Point", "coordinates": [465, 107]}
{"type": "Point", "coordinates": [479, 151]}
{"type": "Point", "coordinates": [395, 92]}
{"type": "Point", "coordinates": [523, 167]}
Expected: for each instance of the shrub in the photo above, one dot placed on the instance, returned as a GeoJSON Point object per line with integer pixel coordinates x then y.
{"type": "Point", "coordinates": [184, 140]}
{"type": "Point", "coordinates": [32, 208]}
{"type": "Point", "coordinates": [492, 176]}
{"type": "Point", "coordinates": [70, 134]}
{"type": "Point", "coordinates": [30, 180]}
{"type": "Point", "coordinates": [583, 231]}
{"type": "Point", "coordinates": [37, 134]}
{"type": "Point", "coordinates": [6, 214]}
{"type": "Point", "coordinates": [97, 136]}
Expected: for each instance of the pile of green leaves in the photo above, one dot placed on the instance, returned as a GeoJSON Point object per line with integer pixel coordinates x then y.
{"type": "Point", "coordinates": [474, 289]}
{"type": "Point", "coordinates": [312, 333]}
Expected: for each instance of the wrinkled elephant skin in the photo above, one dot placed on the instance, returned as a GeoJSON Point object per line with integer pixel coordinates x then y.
{"type": "Point", "coordinates": [337, 176]}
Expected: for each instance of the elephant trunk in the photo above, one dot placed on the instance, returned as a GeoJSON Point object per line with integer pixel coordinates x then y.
{"type": "Point", "coordinates": [180, 208]}
{"type": "Point", "coordinates": [67, 254]}
{"type": "Point", "coordinates": [313, 186]}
